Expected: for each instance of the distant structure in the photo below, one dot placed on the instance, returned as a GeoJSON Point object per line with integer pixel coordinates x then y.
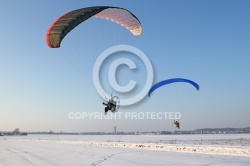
{"type": "Point", "coordinates": [16, 131]}
{"type": "Point", "coordinates": [114, 129]}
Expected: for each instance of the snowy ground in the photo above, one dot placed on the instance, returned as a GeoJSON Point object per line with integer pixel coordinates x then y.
{"type": "Point", "coordinates": [125, 150]}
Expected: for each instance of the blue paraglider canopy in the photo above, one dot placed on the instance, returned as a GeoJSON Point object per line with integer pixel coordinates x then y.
{"type": "Point", "coordinates": [169, 81]}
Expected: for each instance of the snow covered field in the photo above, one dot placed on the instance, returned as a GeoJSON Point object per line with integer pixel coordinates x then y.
{"type": "Point", "coordinates": [230, 149]}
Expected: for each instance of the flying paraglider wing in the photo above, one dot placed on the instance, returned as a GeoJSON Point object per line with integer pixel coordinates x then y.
{"type": "Point", "coordinates": [64, 24]}
{"type": "Point", "coordinates": [169, 81]}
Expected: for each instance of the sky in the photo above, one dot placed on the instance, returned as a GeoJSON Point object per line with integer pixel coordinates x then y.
{"type": "Point", "coordinates": [204, 41]}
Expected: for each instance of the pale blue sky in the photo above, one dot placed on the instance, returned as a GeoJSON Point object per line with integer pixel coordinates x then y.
{"type": "Point", "coordinates": [205, 41]}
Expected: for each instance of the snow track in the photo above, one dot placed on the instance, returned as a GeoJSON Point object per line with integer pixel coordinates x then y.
{"type": "Point", "coordinates": [105, 159]}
